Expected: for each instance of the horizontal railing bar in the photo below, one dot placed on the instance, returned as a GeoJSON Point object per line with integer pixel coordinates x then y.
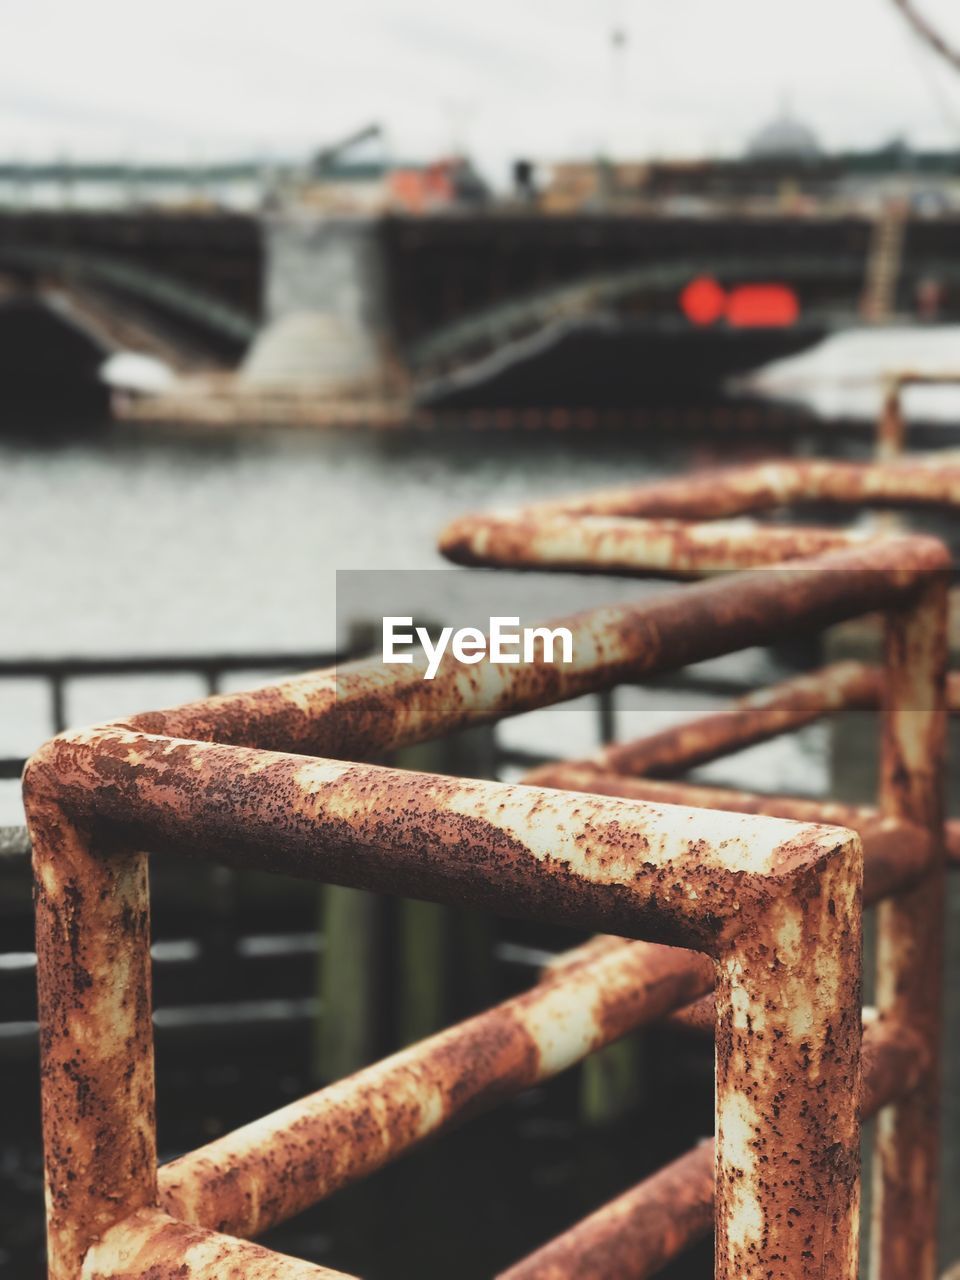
{"type": "Point", "coordinates": [21, 1037]}
{"type": "Point", "coordinates": [694, 681]}
{"type": "Point", "coordinates": [515, 850]}
{"type": "Point", "coordinates": [757, 717]}
{"type": "Point", "coordinates": [208, 1020]}
{"type": "Point", "coordinates": [764, 486]}
{"type": "Point", "coordinates": [895, 854]}
{"type": "Point", "coordinates": [79, 665]}
{"type": "Point", "coordinates": [149, 1243]}
{"type": "Point", "coordinates": [182, 951]}
{"type": "Point", "coordinates": [630, 546]}
{"type": "Point", "coordinates": [765, 714]}
{"type": "Point", "coordinates": [699, 1017]}
{"type": "Point", "coordinates": [641, 1231]}
{"type": "Point", "coordinates": [356, 711]}
{"type": "Point", "coordinates": [267, 1171]}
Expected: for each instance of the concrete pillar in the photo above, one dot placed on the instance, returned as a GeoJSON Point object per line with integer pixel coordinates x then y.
{"type": "Point", "coordinates": [327, 324]}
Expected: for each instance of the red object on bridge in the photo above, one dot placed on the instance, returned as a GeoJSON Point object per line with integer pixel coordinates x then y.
{"type": "Point", "coordinates": [768, 305]}
{"type": "Point", "coordinates": [703, 301]}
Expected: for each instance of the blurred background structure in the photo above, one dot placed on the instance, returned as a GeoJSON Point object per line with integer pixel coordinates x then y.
{"type": "Point", "coordinates": [280, 295]}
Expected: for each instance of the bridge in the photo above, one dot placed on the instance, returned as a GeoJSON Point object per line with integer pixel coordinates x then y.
{"type": "Point", "coordinates": [433, 305]}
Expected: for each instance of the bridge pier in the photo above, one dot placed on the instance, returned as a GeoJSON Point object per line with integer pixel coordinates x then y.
{"type": "Point", "coordinates": [327, 328]}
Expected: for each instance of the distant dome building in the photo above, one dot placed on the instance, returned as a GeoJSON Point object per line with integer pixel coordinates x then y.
{"type": "Point", "coordinates": [784, 138]}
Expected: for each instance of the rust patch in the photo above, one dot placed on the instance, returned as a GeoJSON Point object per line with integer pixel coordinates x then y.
{"type": "Point", "coordinates": [150, 1246]}
{"type": "Point", "coordinates": [896, 853]}
{"type": "Point", "coordinates": [96, 1042]}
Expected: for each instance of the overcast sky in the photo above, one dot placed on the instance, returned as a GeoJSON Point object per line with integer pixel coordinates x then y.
{"type": "Point", "coordinates": [198, 79]}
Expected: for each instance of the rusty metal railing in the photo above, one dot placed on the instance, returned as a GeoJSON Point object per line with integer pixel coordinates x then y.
{"type": "Point", "coordinates": [660, 529]}
{"type": "Point", "coordinates": [769, 911]}
{"type": "Point", "coordinates": [682, 526]}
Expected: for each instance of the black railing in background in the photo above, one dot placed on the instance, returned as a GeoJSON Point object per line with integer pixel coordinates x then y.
{"type": "Point", "coordinates": [58, 673]}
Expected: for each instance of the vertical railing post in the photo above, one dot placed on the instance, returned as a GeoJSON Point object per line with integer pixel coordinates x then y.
{"type": "Point", "coordinates": [350, 985]}
{"type": "Point", "coordinates": [788, 1082]}
{"type": "Point", "coordinates": [96, 1046]}
{"type": "Point", "coordinates": [611, 1080]}
{"type": "Point", "coordinates": [607, 716]}
{"type": "Point", "coordinates": [58, 710]}
{"type": "Point", "coordinates": [910, 937]}
{"type": "Point", "coordinates": [424, 961]}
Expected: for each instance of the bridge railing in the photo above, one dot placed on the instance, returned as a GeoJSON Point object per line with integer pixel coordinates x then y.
{"type": "Point", "coordinates": [180, 299]}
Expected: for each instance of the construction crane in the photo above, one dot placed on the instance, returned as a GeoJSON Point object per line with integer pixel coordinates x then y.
{"type": "Point", "coordinates": [326, 156]}
{"type": "Point", "coordinates": [928, 34]}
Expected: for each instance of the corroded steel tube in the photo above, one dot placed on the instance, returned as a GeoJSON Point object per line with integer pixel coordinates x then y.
{"type": "Point", "coordinates": [627, 545]}
{"type": "Point", "coordinates": [638, 1233]}
{"type": "Point", "coordinates": [269, 1170]}
{"type": "Point", "coordinates": [910, 937]}
{"type": "Point", "coordinates": [358, 710]}
{"type": "Point", "coordinates": [896, 853]}
{"type": "Point", "coordinates": [779, 708]}
{"type": "Point", "coordinates": [668, 874]}
{"type": "Point", "coordinates": [731, 491]}
{"type": "Point", "coordinates": [895, 1062]}
{"type": "Point", "coordinates": [154, 1246]}
{"type": "Point", "coordinates": [96, 1043]}
{"type": "Point", "coordinates": [788, 1084]}
{"type": "Point", "coordinates": [752, 719]}
{"type": "Point", "coordinates": [566, 961]}
{"type": "Point", "coordinates": [699, 1017]}
{"type": "Point", "coordinates": [755, 718]}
